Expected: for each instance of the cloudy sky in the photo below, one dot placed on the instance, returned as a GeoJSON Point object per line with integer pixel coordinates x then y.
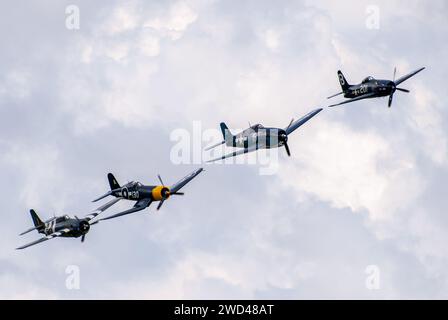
{"type": "Point", "coordinates": [365, 186]}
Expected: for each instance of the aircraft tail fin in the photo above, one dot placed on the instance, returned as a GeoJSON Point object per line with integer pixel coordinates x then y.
{"type": "Point", "coordinates": [113, 182]}
{"type": "Point", "coordinates": [36, 220]}
{"type": "Point", "coordinates": [227, 135]}
{"type": "Point", "coordinates": [342, 81]}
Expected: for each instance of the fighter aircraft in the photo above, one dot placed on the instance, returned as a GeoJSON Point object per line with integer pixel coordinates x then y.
{"type": "Point", "coordinates": [258, 137]}
{"type": "Point", "coordinates": [144, 195]}
{"type": "Point", "coordinates": [371, 88]}
{"type": "Point", "coordinates": [64, 226]}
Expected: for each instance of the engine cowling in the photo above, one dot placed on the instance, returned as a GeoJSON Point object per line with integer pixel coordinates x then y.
{"type": "Point", "coordinates": [160, 193]}
{"type": "Point", "coordinates": [84, 226]}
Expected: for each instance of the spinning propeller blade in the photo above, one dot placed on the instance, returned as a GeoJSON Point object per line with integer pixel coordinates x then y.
{"type": "Point", "coordinates": [160, 204]}
{"type": "Point", "coordinates": [289, 125]}
{"type": "Point", "coordinates": [160, 179]}
{"type": "Point", "coordinates": [287, 149]}
{"type": "Point", "coordinates": [391, 97]}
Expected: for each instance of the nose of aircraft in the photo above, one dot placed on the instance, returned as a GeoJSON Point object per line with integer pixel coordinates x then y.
{"type": "Point", "coordinates": [283, 137]}
{"type": "Point", "coordinates": [84, 226]}
{"type": "Point", "coordinates": [392, 86]}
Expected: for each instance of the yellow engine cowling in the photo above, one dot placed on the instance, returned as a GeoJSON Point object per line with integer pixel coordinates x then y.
{"type": "Point", "coordinates": [160, 192]}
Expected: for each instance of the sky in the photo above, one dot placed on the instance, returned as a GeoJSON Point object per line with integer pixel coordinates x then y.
{"type": "Point", "coordinates": [361, 201]}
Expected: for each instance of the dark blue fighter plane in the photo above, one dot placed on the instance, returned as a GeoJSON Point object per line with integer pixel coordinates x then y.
{"type": "Point", "coordinates": [259, 137]}
{"type": "Point", "coordinates": [371, 88]}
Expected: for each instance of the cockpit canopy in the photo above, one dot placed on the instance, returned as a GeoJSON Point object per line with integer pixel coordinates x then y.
{"type": "Point", "coordinates": [257, 126]}
{"type": "Point", "coordinates": [62, 219]}
{"type": "Point", "coordinates": [368, 79]}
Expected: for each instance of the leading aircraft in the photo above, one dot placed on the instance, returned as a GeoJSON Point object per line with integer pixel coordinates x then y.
{"type": "Point", "coordinates": [371, 88]}
{"type": "Point", "coordinates": [144, 195]}
{"type": "Point", "coordinates": [64, 226]}
{"type": "Point", "coordinates": [258, 137]}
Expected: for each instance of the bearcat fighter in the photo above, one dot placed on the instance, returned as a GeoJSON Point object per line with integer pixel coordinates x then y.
{"type": "Point", "coordinates": [144, 195]}
{"type": "Point", "coordinates": [371, 88]}
{"type": "Point", "coordinates": [64, 226]}
{"type": "Point", "coordinates": [258, 137]}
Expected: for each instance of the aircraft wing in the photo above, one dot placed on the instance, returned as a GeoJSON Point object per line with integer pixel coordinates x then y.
{"type": "Point", "coordinates": [406, 77]}
{"type": "Point", "coordinates": [102, 208]}
{"type": "Point", "coordinates": [366, 96]}
{"type": "Point", "coordinates": [176, 187]}
{"type": "Point", "coordinates": [236, 153]}
{"type": "Point", "coordinates": [295, 125]}
{"type": "Point", "coordinates": [50, 236]}
{"type": "Point", "coordinates": [140, 205]}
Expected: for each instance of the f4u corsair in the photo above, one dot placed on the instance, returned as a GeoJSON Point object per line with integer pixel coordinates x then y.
{"type": "Point", "coordinates": [64, 226]}
{"type": "Point", "coordinates": [144, 195]}
{"type": "Point", "coordinates": [371, 88]}
{"type": "Point", "coordinates": [258, 137]}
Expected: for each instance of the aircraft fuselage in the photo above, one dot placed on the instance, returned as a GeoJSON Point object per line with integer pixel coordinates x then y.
{"type": "Point", "coordinates": [78, 227]}
{"type": "Point", "coordinates": [380, 88]}
{"type": "Point", "coordinates": [263, 138]}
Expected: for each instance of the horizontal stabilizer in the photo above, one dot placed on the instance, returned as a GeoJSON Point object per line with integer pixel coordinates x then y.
{"type": "Point", "coordinates": [29, 230]}
{"type": "Point", "coordinates": [103, 196]}
{"type": "Point", "coordinates": [335, 95]}
{"type": "Point", "coordinates": [214, 146]}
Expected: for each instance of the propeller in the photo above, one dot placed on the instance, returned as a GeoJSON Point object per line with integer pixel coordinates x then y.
{"type": "Point", "coordinates": [287, 149]}
{"type": "Point", "coordinates": [160, 179]}
{"type": "Point", "coordinates": [292, 120]}
{"type": "Point", "coordinates": [160, 204]}
{"type": "Point", "coordinates": [284, 138]}
{"type": "Point", "coordinates": [394, 88]}
{"type": "Point", "coordinates": [83, 238]}
{"type": "Point", "coordinates": [391, 97]}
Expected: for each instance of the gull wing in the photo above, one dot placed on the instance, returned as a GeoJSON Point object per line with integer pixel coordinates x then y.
{"type": "Point", "coordinates": [366, 96]}
{"type": "Point", "coordinates": [51, 236]}
{"type": "Point", "coordinates": [297, 124]}
{"type": "Point", "coordinates": [406, 77]}
{"type": "Point", "coordinates": [101, 209]}
{"type": "Point", "coordinates": [176, 187]}
{"type": "Point", "coordinates": [236, 153]}
{"type": "Point", "coordinates": [140, 205]}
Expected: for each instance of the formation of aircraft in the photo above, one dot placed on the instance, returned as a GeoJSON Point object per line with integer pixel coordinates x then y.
{"type": "Point", "coordinates": [371, 88]}
{"type": "Point", "coordinates": [251, 139]}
